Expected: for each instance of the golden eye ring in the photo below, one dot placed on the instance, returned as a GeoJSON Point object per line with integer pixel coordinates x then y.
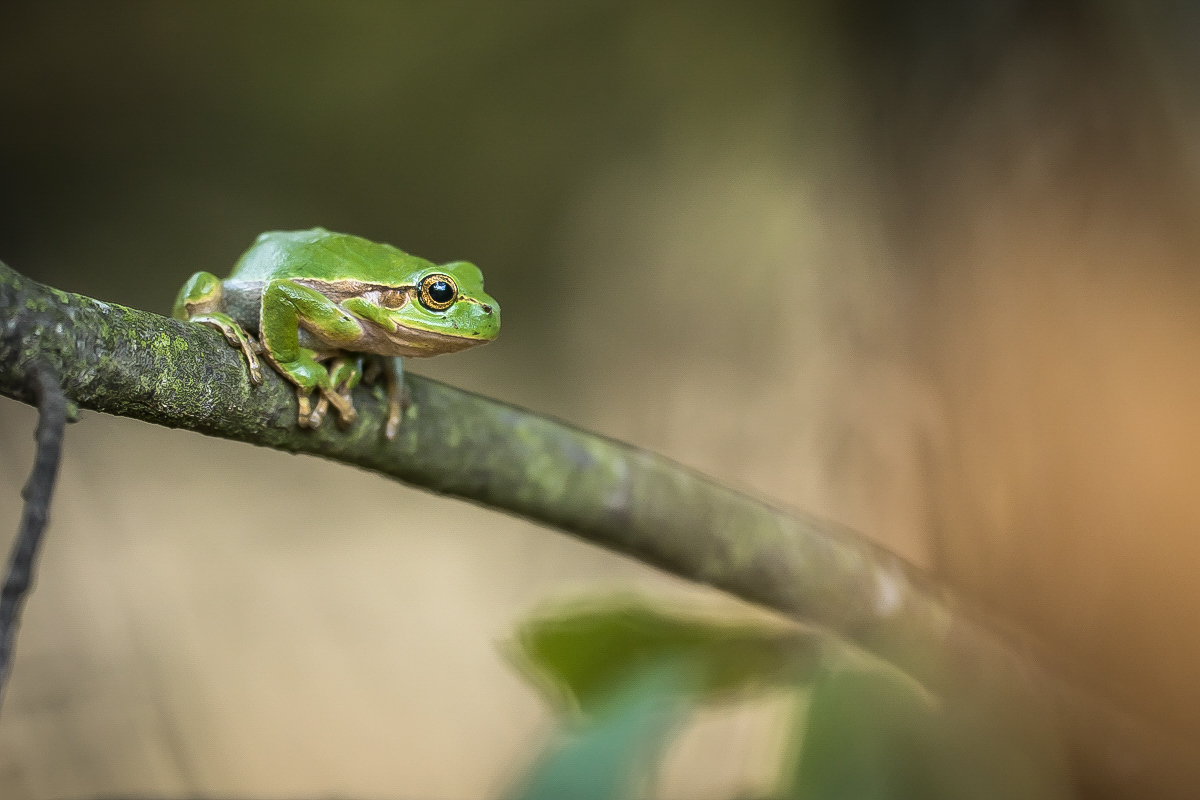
{"type": "Point", "coordinates": [437, 292]}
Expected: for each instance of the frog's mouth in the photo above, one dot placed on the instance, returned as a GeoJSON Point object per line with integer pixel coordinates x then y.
{"type": "Point", "coordinates": [402, 341]}
{"type": "Point", "coordinates": [416, 342]}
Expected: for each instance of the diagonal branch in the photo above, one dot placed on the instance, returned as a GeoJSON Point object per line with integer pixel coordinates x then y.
{"type": "Point", "coordinates": [136, 364]}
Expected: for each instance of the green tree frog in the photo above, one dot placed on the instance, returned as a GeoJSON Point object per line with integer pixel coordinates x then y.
{"type": "Point", "coordinates": [319, 302]}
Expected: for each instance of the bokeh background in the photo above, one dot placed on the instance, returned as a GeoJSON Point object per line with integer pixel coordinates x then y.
{"type": "Point", "coordinates": [924, 267]}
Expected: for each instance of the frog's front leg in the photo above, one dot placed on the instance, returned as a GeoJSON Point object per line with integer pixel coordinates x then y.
{"type": "Point", "coordinates": [344, 375]}
{"type": "Point", "coordinates": [286, 306]}
{"type": "Point", "coordinates": [202, 300]}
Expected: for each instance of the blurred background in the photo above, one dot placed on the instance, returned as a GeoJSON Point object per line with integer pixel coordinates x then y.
{"type": "Point", "coordinates": [924, 267]}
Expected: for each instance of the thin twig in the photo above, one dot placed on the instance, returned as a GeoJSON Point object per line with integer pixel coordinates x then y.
{"type": "Point", "coordinates": [52, 408]}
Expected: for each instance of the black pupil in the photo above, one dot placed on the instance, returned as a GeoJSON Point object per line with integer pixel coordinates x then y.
{"type": "Point", "coordinates": [440, 292]}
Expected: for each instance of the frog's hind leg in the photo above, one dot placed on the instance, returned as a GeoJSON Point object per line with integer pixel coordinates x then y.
{"type": "Point", "coordinates": [398, 396]}
{"type": "Point", "coordinates": [201, 300]}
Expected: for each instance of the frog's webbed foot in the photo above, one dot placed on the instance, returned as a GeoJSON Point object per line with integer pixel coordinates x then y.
{"type": "Point", "coordinates": [312, 415]}
{"type": "Point", "coordinates": [306, 372]}
{"type": "Point", "coordinates": [236, 335]}
{"type": "Point", "coordinates": [398, 397]}
{"type": "Point", "coordinates": [344, 375]}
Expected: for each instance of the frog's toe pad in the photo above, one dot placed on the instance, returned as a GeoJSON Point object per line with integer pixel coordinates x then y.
{"type": "Point", "coordinates": [255, 369]}
{"type": "Point", "coordinates": [309, 416]}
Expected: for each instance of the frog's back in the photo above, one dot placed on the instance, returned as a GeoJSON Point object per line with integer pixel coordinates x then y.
{"type": "Point", "coordinates": [324, 255]}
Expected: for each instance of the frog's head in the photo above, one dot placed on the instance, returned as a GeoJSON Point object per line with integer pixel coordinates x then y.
{"type": "Point", "coordinates": [447, 310]}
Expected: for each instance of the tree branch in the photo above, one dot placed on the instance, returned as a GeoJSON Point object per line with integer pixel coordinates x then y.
{"type": "Point", "coordinates": [52, 419]}
{"type": "Point", "coordinates": [136, 364]}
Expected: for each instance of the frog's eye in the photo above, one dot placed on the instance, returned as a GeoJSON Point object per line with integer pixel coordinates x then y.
{"type": "Point", "coordinates": [438, 292]}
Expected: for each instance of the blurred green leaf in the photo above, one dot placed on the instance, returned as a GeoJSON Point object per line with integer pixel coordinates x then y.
{"type": "Point", "coordinates": [582, 652]}
{"type": "Point", "coordinates": [613, 756]}
{"type": "Point", "coordinates": [632, 669]}
{"type": "Point", "coordinates": [875, 735]}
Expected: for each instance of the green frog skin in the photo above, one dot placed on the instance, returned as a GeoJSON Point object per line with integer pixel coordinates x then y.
{"type": "Point", "coordinates": [320, 302]}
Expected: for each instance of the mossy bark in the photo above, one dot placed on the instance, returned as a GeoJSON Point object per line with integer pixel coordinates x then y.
{"type": "Point", "coordinates": [136, 364]}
